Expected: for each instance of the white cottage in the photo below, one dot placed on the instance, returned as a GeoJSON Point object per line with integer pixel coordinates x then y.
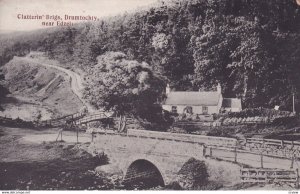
{"type": "Point", "coordinates": [202, 103]}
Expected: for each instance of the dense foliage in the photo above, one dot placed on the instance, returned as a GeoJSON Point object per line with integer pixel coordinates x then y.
{"type": "Point", "coordinates": [193, 174]}
{"type": "Point", "coordinates": [251, 47]}
{"type": "Point", "coordinates": [123, 86]}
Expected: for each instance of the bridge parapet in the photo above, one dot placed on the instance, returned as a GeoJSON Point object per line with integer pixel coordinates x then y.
{"type": "Point", "coordinates": [141, 145]}
{"type": "Point", "coordinates": [200, 139]}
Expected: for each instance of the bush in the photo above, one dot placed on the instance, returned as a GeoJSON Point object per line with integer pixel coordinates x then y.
{"type": "Point", "coordinates": [286, 121]}
{"type": "Point", "coordinates": [193, 174]}
{"type": "Point", "coordinates": [221, 132]}
{"type": "Point", "coordinates": [101, 158]}
{"type": "Point", "coordinates": [156, 119]}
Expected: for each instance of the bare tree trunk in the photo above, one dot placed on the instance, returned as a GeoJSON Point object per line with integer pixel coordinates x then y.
{"type": "Point", "coordinates": [120, 122]}
{"type": "Point", "coordinates": [124, 124]}
{"type": "Point", "coordinates": [245, 87]}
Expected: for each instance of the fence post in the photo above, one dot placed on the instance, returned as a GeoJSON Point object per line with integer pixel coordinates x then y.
{"type": "Point", "coordinates": [61, 135]}
{"type": "Point", "coordinates": [261, 160]}
{"type": "Point", "coordinates": [292, 161]}
{"type": "Point", "coordinates": [281, 143]}
{"type": "Point", "coordinates": [297, 179]}
{"type": "Point", "coordinates": [77, 133]}
{"type": "Point", "coordinates": [241, 174]}
{"type": "Point", "coordinates": [210, 151]}
{"type": "Point", "coordinates": [235, 155]}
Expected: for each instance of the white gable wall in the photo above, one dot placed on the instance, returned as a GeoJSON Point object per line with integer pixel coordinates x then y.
{"type": "Point", "coordinates": [213, 109]}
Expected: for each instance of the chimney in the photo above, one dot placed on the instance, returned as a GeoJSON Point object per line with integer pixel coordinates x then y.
{"type": "Point", "coordinates": [168, 89]}
{"type": "Point", "coordinates": [219, 89]}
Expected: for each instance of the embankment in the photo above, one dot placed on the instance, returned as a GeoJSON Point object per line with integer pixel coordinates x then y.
{"type": "Point", "coordinates": [39, 92]}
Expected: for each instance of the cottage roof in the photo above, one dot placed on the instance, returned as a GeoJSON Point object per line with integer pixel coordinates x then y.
{"type": "Point", "coordinates": [193, 98]}
{"type": "Point", "coordinates": [232, 103]}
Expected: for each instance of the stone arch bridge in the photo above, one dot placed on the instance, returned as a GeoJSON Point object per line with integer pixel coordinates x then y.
{"type": "Point", "coordinates": [157, 155]}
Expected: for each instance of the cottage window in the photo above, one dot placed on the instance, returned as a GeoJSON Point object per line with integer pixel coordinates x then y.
{"type": "Point", "coordinates": [188, 110]}
{"type": "Point", "coordinates": [174, 109]}
{"type": "Point", "coordinates": [204, 109]}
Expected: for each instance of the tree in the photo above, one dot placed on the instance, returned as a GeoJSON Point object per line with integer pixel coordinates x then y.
{"type": "Point", "coordinates": [127, 87]}
{"type": "Point", "coordinates": [251, 61]}
{"type": "Point", "coordinates": [212, 48]}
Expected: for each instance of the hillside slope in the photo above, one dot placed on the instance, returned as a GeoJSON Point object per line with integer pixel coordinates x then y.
{"type": "Point", "coordinates": [40, 92]}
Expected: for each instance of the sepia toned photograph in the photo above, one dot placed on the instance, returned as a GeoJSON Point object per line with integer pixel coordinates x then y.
{"type": "Point", "coordinates": [161, 95]}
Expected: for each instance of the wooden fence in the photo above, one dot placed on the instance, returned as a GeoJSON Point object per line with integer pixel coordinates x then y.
{"type": "Point", "coordinates": [236, 155]}
{"type": "Point", "coordinates": [56, 122]}
{"type": "Point", "coordinates": [5, 121]}
{"type": "Point", "coordinates": [91, 118]}
{"type": "Point", "coordinates": [76, 118]}
{"type": "Point", "coordinates": [273, 142]}
{"type": "Point", "coordinates": [281, 148]}
{"type": "Point", "coordinates": [265, 175]}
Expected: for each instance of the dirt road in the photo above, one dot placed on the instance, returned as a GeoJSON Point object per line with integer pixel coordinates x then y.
{"type": "Point", "coordinates": [67, 136]}
{"type": "Point", "coordinates": [76, 82]}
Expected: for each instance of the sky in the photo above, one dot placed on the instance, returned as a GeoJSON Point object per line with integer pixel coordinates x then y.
{"type": "Point", "coordinates": [9, 9]}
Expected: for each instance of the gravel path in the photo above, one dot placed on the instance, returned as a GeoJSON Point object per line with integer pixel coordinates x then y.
{"type": "Point", "coordinates": [76, 82]}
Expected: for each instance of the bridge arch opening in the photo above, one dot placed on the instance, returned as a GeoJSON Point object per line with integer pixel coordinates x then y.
{"type": "Point", "coordinates": [142, 174]}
